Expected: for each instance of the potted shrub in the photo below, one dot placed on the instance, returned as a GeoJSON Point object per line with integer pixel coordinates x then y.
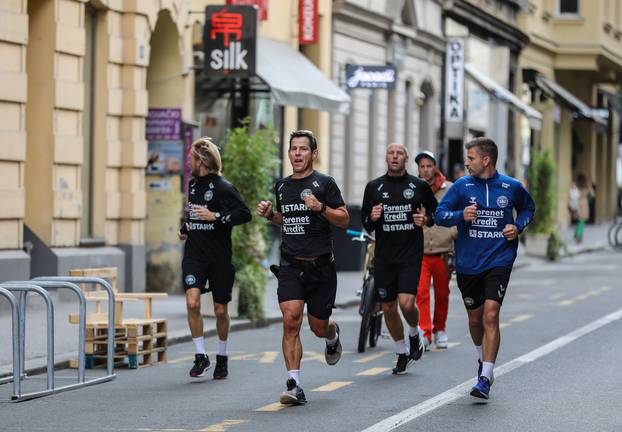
{"type": "Point", "coordinates": [543, 239]}
{"type": "Point", "coordinates": [249, 162]}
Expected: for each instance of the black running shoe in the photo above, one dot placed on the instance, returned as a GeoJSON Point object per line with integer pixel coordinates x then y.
{"type": "Point", "coordinates": [221, 371]}
{"type": "Point", "coordinates": [332, 354]}
{"type": "Point", "coordinates": [416, 346]}
{"type": "Point", "coordinates": [403, 360]}
{"type": "Point", "coordinates": [201, 365]}
{"type": "Point", "coordinates": [293, 395]}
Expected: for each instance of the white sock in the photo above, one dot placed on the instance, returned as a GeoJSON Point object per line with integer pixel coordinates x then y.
{"type": "Point", "coordinates": [199, 345]}
{"type": "Point", "coordinates": [414, 331]}
{"type": "Point", "coordinates": [487, 368]}
{"type": "Point", "coordinates": [400, 347]}
{"type": "Point", "coordinates": [295, 374]}
{"type": "Point", "coordinates": [222, 348]}
{"type": "Point", "coordinates": [480, 352]}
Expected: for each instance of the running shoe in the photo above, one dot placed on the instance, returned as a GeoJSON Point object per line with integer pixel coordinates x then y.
{"type": "Point", "coordinates": [201, 365]}
{"type": "Point", "coordinates": [403, 360]}
{"type": "Point", "coordinates": [426, 344]}
{"type": "Point", "coordinates": [441, 340]}
{"type": "Point", "coordinates": [416, 345]}
{"type": "Point", "coordinates": [332, 354]}
{"type": "Point", "coordinates": [482, 388]}
{"type": "Point", "coordinates": [480, 366]}
{"type": "Point", "coordinates": [293, 395]}
{"type": "Point", "coordinates": [221, 371]}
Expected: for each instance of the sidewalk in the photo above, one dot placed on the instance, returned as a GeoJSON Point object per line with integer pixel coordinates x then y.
{"type": "Point", "coordinates": [174, 310]}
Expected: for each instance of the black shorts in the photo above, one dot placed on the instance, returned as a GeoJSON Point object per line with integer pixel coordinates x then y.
{"type": "Point", "coordinates": [394, 279]}
{"type": "Point", "coordinates": [219, 275]}
{"type": "Point", "coordinates": [315, 284]}
{"type": "Point", "coordinates": [489, 285]}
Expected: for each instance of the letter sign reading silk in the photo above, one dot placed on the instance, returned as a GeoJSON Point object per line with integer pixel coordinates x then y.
{"type": "Point", "coordinates": [230, 41]}
{"type": "Point", "coordinates": [307, 22]}
{"type": "Point", "coordinates": [454, 80]}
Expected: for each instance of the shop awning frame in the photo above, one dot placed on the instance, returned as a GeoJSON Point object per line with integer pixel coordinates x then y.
{"type": "Point", "coordinates": [564, 96]}
{"type": "Point", "coordinates": [498, 91]}
{"type": "Point", "coordinates": [295, 81]}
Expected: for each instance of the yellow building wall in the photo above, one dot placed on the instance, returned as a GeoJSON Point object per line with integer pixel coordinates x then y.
{"type": "Point", "coordinates": [13, 92]}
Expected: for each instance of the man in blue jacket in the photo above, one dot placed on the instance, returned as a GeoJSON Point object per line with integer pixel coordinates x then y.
{"type": "Point", "coordinates": [481, 205]}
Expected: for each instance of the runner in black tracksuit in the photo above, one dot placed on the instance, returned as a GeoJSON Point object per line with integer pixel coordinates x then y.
{"type": "Point", "coordinates": [307, 203]}
{"type": "Point", "coordinates": [214, 208]}
{"type": "Point", "coordinates": [395, 207]}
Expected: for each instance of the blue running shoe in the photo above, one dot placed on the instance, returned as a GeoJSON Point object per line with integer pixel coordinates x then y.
{"type": "Point", "coordinates": [482, 388]}
{"type": "Point", "coordinates": [480, 365]}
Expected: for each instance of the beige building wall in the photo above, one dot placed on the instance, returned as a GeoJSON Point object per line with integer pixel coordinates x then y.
{"type": "Point", "coordinates": [13, 95]}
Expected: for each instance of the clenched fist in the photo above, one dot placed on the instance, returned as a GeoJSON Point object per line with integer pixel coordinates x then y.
{"type": "Point", "coordinates": [470, 213]}
{"type": "Point", "coordinates": [264, 208]}
{"type": "Point", "coordinates": [376, 212]}
{"type": "Point", "coordinates": [419, 217]}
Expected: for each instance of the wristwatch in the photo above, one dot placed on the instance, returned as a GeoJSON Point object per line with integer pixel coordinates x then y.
{"type": "Point", "coordinates": [217, 216]}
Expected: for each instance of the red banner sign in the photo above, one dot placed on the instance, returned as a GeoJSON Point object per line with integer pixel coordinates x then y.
{"type": "Point", "coordinates": [307, 22]}
{"type": "Point", "coordinates": [262, 6]}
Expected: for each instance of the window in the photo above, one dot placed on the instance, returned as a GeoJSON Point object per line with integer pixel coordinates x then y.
{"type": "Point", "coordinates": [568, 7]}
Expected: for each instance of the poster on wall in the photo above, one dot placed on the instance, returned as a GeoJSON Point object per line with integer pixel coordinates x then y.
{"type": "Point", "coordinates": [163, 133]}
{"type": "Point", "coordinates": [230, 41]}
{"type": "Point", "coordinates": [307, 22]}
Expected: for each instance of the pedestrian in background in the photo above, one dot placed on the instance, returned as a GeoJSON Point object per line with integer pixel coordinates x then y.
{"type": "Point", "coordinates": [583, 206]}
{"type": "Point", "coordinates": [438, 250]}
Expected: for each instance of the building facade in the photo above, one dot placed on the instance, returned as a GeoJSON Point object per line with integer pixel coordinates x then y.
{"type": "Point", "coordinates": [571, 71]}
{"type": "Point", "coordinates": [405, 36]}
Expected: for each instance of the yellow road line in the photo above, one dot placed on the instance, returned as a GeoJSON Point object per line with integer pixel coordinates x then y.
{"type": "Point", "coordinates": [371, 357]}
{"type": "Point", "coordinates": [332, 386]}
{"type": "Point", "coordinates": [566, 302]}
{"type": "Point", "coordinates": [373, 371]}
{"type": "Point", "coordinates": [504, 325]}
{"type": "Point", "coordinates": [269, 357]}
{"type": "Point", "coordinates": [520, 318]}
{"type": "Point", "coordinates": [312, 355]}
{"type": "Point", "coordinates": [273, 407]}
{"type": "Point", "coordinates": [222, 426]}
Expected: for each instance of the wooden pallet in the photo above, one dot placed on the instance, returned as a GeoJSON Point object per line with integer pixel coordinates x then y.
{"type": "Point", "coordinates": [142, 342]}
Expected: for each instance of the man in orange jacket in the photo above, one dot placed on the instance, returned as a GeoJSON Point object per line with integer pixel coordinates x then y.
{"type": "Point", "coordinates": [438, 246]}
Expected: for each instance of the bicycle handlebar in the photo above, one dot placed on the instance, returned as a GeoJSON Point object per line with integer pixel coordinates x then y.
{"type": "Point", "coordinates": [360, 235]}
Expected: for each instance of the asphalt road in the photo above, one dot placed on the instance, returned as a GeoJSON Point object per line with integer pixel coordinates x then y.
{"type": "Point", "coordinates": [558, 370]}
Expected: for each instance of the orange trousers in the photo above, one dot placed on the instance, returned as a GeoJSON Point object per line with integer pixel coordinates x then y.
{"type": "Point", "coordinates": [433, 267]}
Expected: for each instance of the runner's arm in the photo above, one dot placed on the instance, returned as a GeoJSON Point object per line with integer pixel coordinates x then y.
{"type": "Point", "coordinates": [447, 213]}
{"type": "Point", "coordinates": [525, 209]}
{"type": "Point", "coordinates": [366, 209]}
{"type": "Point", "coordinates": [430, 204]}
{"type": "Point", "coordinates": [236, 213]}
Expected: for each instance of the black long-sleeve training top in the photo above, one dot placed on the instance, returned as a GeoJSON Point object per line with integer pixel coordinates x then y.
{"type": "Point", "coordinates": [211, 241]}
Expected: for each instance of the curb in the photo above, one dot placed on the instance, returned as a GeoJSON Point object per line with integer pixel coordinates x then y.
{"type": "Point", "coordinates": [182, 338]}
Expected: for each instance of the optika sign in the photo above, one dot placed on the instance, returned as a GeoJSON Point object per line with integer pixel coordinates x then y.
{"type": "Point", "coordinates": [307, 22]}
{"type": "Point", "coordinates": [454, 81]}
{"type": "Point", "coordinates": [371, 77]}
{"type": "Point", "coordinates": [230, 41]}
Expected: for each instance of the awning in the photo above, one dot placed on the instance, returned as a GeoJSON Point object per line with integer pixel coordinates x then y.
{"type": "Point", "coordinates": [295, 81]}
{"type": "Point", "coordinates": [570, 100]}
{"type": "Point", "coordinates": [503, 94]}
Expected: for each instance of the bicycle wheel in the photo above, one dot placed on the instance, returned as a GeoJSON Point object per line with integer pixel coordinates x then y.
{"type": "Point", "coordinates": [611, 234]}
{"type": "Point", "coordinates": [367, 307]}
{"type": "Point", "coordinates": [375, 330]}
{"type": "Point", "coordinates": [617, 238]}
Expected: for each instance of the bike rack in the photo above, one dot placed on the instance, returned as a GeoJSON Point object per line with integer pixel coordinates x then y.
{"type": "Point", "coordinates": [82, 323]}
{"type": "Point", "coordinates": [111, 319]}
{"type": "Point", "coordinates": [15, 332]}
{"type": "Point", "coordinates": [24, 288]}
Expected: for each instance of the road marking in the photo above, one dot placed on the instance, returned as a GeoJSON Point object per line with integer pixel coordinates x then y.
{"type": "Point", "coordinates": [557, 296]}
{"type": "Point", "coordinates": [373, 371]}
{"type": "Point", "coordinates": [534, 282]}
{"type": "Point", "coordinates": [332, 386]}
{"type": "Point", "coordinates": [520, 318]}
{"type": "Point", "coordinates": [273, 407]}
{"type": "Point", "coordinates": [222, 426]}
{"type": "Point", "coordinates": [371, 357]}
{"type": "Point", "coordinates": [269, 357]}
{"type": "Point", "coordinates": [312, 355]}
{"type": "Point", "coordinates": [460, 390]}
{"type": "Point", "coordinates": [584, 296]}
{"type": "Point", "coordinates": [504, 325]}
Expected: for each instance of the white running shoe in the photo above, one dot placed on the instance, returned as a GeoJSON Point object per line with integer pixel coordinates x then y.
{"type": "Point", "coordinates": [440, 339]}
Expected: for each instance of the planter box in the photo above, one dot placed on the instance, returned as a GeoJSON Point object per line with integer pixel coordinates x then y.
{"type": "Point", "coordinates": [536, 245]}
{"type": "Point", "coordinates": [207, 303]}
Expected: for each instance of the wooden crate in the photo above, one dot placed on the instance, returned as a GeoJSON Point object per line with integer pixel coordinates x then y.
{"type": "Point", "coordinates": [142, 342]}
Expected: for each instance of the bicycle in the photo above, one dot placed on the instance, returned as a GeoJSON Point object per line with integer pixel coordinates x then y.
{"type": "Point", "coordinates": [369, 306]}
{"type": "Point", "coordinates": [614, 234]}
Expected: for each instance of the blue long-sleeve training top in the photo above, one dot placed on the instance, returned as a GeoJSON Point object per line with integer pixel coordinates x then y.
{"type": "Point", "coordinates": [481, 245]}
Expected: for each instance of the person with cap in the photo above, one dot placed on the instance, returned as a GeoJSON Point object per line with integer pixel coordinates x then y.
{"type": "Point", "coordinates": [395, 207]}
{"type": "Point", "coordinates": [437, 251]}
